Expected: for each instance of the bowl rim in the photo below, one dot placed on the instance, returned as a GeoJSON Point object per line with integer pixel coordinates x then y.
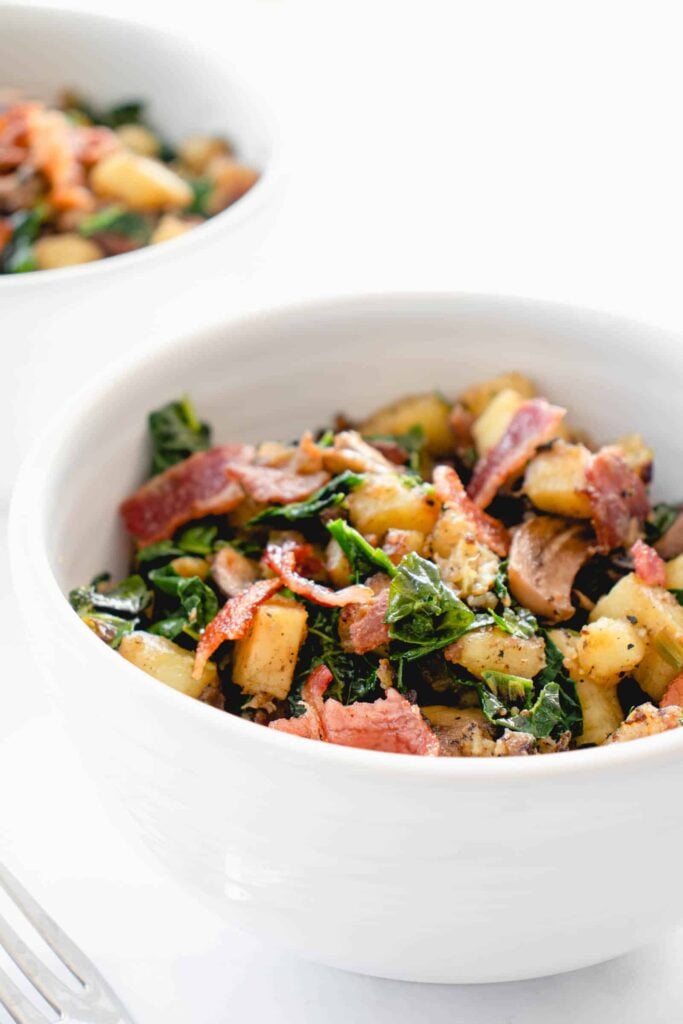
{"type": "Point", "coordinates": [232, 216]}
{"type": "Point", "coordinates": [30, 562]}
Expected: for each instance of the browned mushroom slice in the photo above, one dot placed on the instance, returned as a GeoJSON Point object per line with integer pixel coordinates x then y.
{"type": "Point", "coordinates": [670, 544]}
{"type": "Point", "coordinates": [545, 556]}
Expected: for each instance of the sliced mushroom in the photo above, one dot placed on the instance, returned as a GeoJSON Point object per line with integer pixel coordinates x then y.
{"type": "Point", "coordinates": [232, 572]}
{"type": "Point", "coordinates": [670, 544]}
{"type": "Point", "coordinates": [545, 556]}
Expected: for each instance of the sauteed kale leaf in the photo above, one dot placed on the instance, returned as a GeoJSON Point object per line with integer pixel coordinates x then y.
{"type": "Point", "coordinates": [401, 611]}
{"type": "Point", "coordinates": [176, 433]}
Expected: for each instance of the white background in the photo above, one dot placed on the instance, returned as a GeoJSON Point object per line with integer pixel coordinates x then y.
{"type": "Point", "coordinates": [529, 148]}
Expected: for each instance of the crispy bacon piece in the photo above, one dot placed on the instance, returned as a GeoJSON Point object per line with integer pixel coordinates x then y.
{"type": "Point", "coordinates": [618, 499]}
{"type": "Point", "coordinates": [362, 627]}
{"type": "Point", "coordinates": [288, 558]}
{"type": "Point", "coordinates": [276, 486]}
{"type": "Point", "coordinates": [390, 724]}
{"type": "Point", "coordinates": [52, 151]}
{"type": "Point", "coordinates": [534, 423]}
{"type": "Point", "coordinates": [233, 620]}
{"type": "Point", "coordinates": [450, 490]}
{"type": "Point", "coordinates": [193, 488]}
{"type": "Point", "coordinates": [673, 695]}
{"type": "Point", "coordinates": [650, 568]}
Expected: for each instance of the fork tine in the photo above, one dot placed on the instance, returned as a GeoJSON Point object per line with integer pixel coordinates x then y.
{"type": "Point", "coordinates": [49, 986]}
{"type": "Point", "coordinates": [17, 1005]}
{"type": "Point", "coordinates": [60, 943]}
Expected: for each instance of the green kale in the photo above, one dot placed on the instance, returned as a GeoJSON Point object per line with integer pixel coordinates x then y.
{"type": "Point", "coordinates": [176, 433]}
{"type": "Point", "coordinates": [96, 607]}
{"type": "Point", "coordinates": [129, 597]}
{"type": "Point", "coordinates": [678, 594]}
{"type": "Point", "coordinates": [201, 193]}
{"type": "Point", "coordinates": [660, 519]}
{"type": "Point", "coordinates": [330, 496]}
{"type": "Point", "coordinates": [119, 221]}
{"type": "Point", "coordinates": [197, 603]}
{"type": "Point", "coordinates": [555, 672]}
{"type": "Point", "coordinates": [195, 540]}
{"type": "Point", "coordinates": [18, 256]}
{"type": "Point", "coordinates": [424, 614]}
{"type": "Point", "coordinates": [130, 112]}
{"type": "Point", "coordinates": [354, 676]}
{"type": "Point", "coordinates": [363, 557]}
{"type": "Point", "coordinates": [541, 718]}
{"type": "Point", "coordinates": [412, 443]}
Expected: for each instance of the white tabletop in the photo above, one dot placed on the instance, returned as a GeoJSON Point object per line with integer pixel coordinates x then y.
{"type": "Point", "coordinates": [529, 148]}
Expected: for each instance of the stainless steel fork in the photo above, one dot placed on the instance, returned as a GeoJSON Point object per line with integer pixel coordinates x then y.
{"type": "Point", "coordinates": [92, 1002]}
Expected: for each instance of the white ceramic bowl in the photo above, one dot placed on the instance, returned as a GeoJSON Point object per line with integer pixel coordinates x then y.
{"type": "Point", "coordinates": [407, 867]}
{"type": "Point", "coordinates": [61, 326]}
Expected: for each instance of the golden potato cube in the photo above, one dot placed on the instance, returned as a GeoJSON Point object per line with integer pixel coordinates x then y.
{"type": "Point", "coordinates": [198, 151]}
{"type": "Point", "coordinates": [138, 139]}
{"type": "Point", "coordinates": [337, 564]}
{"type": "Point", "coordinates": [493, 649]}
{"type": "Point", "coordinates": [265, 659]}
{"type": "Point", "coordinates": [445, 717]}
{"type": "Point", "coordinates": [167, 662]}
{"type": "Point", "coordinates": [488, 428]}
{"type": "Point", "coordinates": [655, 673]}
{"type": "Point", "coordinates": [191, 565]}
{"type": "Point", "coordinates": [429, 412]}
{"type": "Point", "coordinates": [139, 182]}
{"type": "Point", "coordinates": [602, 712]}
{"type": "Point", "coordinates": [652, 607]}
{"type": "Point", "coordinates": [608, 650]}
{"type": "Point", "coordinates": [661, 615]}
{"type": "Point", "coordinates": [388, 501]}
{"type": "Point", "coordinates": [476, 398]}
{"type": "Point", "coordinates": [636, 454]}
{"type": "Point", "coordinates": [68, 250]}
{"type": "Point", "coordinates": [231, 179]}
{"type": "Point", "coordinates": [674, 573]}
{"type": "Point", "coordinates": [556, 479]}
{"type": "Point", "coordinates": [170, 227]}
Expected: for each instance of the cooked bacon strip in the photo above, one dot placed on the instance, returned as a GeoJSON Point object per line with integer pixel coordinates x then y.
{"type": "Point", "coordinates": [618, 499]}
{"type": "Point", "coordinates": [534, 423]}
{"type": "Point", "coordinates": [233, 621]}
{"type": "Point", "coordinates": [390, 724]}
{"type": "Point", "coordinates": [286, 559]}
{"type": "Point", "coordinates": [650, 568]}
{"type": "Point", "coordinates": [450, 490]}
{"type": "Point", "coordinates": [362, 627]}
{"type": "Point", "coordinates": [193, 488]}
{"type": "Point", "coordinates": [52, 151]}
{"type": "Point", "coordinates": [276, 486]}
{"type": "Point", "coordinates": [232, 572]}
{"type": "Point", "coordinates": [670, 544]}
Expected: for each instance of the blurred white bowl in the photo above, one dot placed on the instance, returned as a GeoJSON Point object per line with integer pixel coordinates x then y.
{"type": "Point", "coordinates": [425, 869]}
{"type": "Point", "coordinates": [60, 326]}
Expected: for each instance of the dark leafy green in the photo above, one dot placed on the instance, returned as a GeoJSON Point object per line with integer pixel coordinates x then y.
{"type": "Point", "coordinates": [176, 433]}
{"type": "Point", "coordinates": [97, 607]}
{"type": "Point", "coordinates": [678, 594]}
{"type": "Point", "coordinates": [424, 614]}
{"type": "Point", "coordinates": [18, 256]}
{"type": "Point", "coordinates": [201, 193]}
{"type": "Point", "coordinates": [555, 672]}
{"type": "Point", "coordinates": [129, 597]}
{"type": "Point", "coordinates": [512, 690]}
{"type": "Point", "coordinates": [120, 221]}
{"type": "Point", "coordinates": [541, 719]}
{"type": "Point", "coordinates": [514, 619]}
{"type": "Point", "coordinates": [195, 540]}
{"type": "Point", "coordinates": [363, 557]}
{"type": "Point", "coordinates": [197, 603]}
{"type": "Point", "coordinates": [661, 517]}
{"type": "Point", "coordinates": [330, 496]}
{"type": "Point", "coordinates": [412, 442]}
{"type": "Point", "coordinates": [354, 676]}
